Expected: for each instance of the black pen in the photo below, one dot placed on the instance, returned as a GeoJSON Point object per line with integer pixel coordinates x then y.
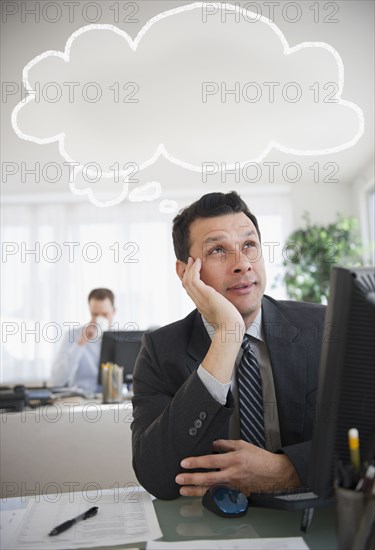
{"type": "Point", "coordinates": [64, 526]}
{"type": "Point", "coordinates": [306, 519]}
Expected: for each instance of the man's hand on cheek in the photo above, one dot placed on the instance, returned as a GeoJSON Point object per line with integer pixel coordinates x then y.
{"type": "Point", "coordinates": [214, 307]}
{"type": "Point", "coordinates": [240, 465]}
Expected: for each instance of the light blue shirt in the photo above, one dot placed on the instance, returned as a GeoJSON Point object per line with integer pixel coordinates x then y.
{"type": "Point", "coordinates": [77, 365]}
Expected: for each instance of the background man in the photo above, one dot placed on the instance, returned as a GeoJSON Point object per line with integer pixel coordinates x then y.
{"type": "Point", "coordinates": [77, 362]}
{"type": "Point", "coordinates": [195, 385]}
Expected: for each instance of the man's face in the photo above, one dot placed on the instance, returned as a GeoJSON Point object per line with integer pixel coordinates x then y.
{"type": "Point", "coordinates": [101, 308]}
{"type": "Point", "coordinates": [232, 262]}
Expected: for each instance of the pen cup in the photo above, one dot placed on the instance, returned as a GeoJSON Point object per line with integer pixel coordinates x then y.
{"type": "Point", "coordinates": [112, 380]}
{"type": "Point", "coordinates": [353, 519]}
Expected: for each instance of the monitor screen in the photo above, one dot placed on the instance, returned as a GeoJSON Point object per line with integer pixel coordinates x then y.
{"type": "Point", "coordinates": [121, 347]}
{"type": "Point", "coordinates": [346, 391]}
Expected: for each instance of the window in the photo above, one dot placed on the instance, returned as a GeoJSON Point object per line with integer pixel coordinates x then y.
{"type": "Point", "coordinates": [53, 255]}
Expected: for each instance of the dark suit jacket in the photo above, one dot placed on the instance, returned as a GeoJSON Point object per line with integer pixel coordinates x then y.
{"type": "Point", "coordinates": [175, 416]}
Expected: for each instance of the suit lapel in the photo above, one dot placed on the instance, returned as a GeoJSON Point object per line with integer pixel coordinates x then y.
{"type": "Point", "coordinates": [289, 362]}
{"type": "Point", "coordinates": [198, 344]}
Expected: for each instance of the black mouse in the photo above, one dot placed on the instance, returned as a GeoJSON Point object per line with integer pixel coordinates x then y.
{"type": "Point", "coordinates": [225, 501]}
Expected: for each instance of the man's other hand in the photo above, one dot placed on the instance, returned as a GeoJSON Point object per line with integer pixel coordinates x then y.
{"type": "Point", "coordinates": [241, 465]}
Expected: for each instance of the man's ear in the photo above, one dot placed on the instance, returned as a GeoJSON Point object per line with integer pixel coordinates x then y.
{"type": "Point", "coordinates": [180, 268]}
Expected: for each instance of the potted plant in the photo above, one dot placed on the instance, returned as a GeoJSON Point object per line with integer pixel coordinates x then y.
{"type": "Point", "coordinates": [312, 251]}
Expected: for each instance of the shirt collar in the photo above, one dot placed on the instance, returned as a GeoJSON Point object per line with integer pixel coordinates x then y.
{"type": "Point", "coordinates": [255, 329]}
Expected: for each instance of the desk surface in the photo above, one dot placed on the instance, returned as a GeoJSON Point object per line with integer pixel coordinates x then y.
{"type": "Point", "coordinates": [185, 519]}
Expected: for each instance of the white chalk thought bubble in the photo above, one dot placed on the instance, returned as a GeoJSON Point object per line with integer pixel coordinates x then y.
{"type": "Point", "coordinates": [167, 206]}
{"type": "Point", "coordinates": [192, 87]}
{"type": "Point", "coordinates": [148, 192]}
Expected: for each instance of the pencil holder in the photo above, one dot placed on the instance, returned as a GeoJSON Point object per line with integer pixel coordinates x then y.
{"type": "Point", "coordinates": [112, 379]}
{"type": "Point", "coordinates": [354, 520]}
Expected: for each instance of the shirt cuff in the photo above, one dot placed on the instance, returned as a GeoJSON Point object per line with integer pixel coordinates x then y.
{"type": "Point", "coordinates": [218, 390]}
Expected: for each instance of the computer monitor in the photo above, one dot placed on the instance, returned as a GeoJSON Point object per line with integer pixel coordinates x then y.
{"type": "Point", "coordinates": [121, 347]}
{"type": "Point", "coordinates": [346, 391]}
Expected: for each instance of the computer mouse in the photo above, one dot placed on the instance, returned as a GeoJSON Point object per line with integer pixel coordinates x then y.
{"type": "Point", "coordinates": [225, 501]}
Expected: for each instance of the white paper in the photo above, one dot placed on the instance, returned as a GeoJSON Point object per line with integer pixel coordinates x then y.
{"type": "Point", "coordinates": [10, 520]}
{"type": "Point", "coordinates": [125, 516]}
{"type": "Point", "coordinates": [285, 543]}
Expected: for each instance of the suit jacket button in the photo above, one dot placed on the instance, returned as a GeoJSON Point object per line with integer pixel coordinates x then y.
{"type": "Point", "coordinates": [202, 415]}
{"type": "Point", "coordinates": [198, 424]}
{"type": "Point", "coordinates": [193, 431]}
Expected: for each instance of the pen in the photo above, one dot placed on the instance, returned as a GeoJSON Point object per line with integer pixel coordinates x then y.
{"type": "Point", "coordinates": [365, 483]}
{"type": "Point", "coordinates": [64, 526]}
{"type": "Point", "coordinates": [353, 438]}
{"type": "Point", "coordinates": [306, 519]}
{"type": "Point", "coordinates": [346, 475]}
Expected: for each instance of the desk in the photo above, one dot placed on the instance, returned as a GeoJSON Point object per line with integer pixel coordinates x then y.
{"type": "Point", "coordinates": [186, 519]}
{"type": "Point", "coordinates": [69, 443]}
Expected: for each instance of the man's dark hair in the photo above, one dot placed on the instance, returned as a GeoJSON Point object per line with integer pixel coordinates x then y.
{"type": "Point", "coordinates": [102, 294]}
{"type": "Point", "coordinates": [208, 206]}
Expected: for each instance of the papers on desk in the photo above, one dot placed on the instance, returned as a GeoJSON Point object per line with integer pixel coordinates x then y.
{"type": "Point", "coordinates": [287, 543]}
{"type": "Point", "coordinates": [124, 517]}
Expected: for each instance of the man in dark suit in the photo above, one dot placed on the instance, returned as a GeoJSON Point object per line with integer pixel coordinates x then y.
{"type": "Point", "coordinates": [186, 399]}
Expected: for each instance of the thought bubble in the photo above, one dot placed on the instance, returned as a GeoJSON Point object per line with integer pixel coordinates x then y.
{"type": "Point", "coordinates": [148, 192]}
{"type": "Point", "coordinates": [167, 206]}
{"type": "Point", "coordinates": [190, 88]}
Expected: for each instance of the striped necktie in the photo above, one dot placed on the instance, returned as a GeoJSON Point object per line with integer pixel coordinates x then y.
{"type": "Point", "coordinates": [250, 396]}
